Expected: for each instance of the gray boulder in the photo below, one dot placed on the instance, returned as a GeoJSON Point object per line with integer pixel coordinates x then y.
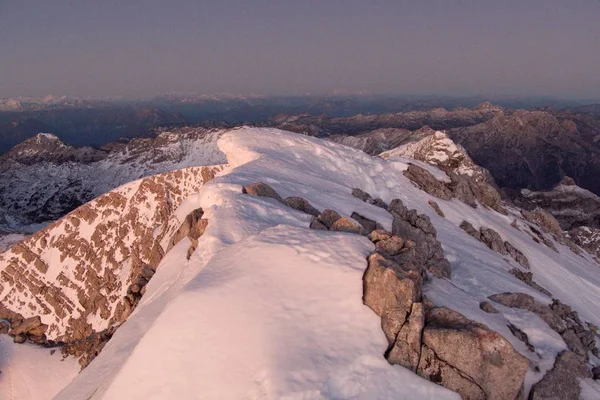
{"type": "Point", "coordinates": [427, 182]}
{"type": "Point", "coordinates": [527, 302]}
{"type": "Point", "coordinates": [470, 229]}
{"type": "Point", "coordinates": [368, 224]}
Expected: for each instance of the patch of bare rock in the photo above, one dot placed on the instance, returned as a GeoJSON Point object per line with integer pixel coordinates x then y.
{"type": "Point", "coordinates": [465, 188]}
{"type": "Point", "coordinates": [494, 241]}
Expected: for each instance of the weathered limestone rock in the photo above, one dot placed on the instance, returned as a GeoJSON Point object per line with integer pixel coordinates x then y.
{"type": "Point", "coordinates": [562, 382]}
{"type": "Point", "coordinates": [526, 302]}
{"type": "Point", "coordinates": [436, 208]}
{"type": "Point", "coordinates": [483, 356]}
{"type": "Point", "coordinates": [328, 217]}
{"type": "Point", "coordinates": [362, 195]}
{"type": "Point", "coordinates": [527, 277]}
{"type": "Point", "coordinates": [29, 326]}
{"type": "Point", "coordinates": [379, 234]}
{"type": "Point", "coordinates": [390, 289]}
{"type": "Point", "coordinates": [391, 246]}
{"type": "Point", "coordinates": [411, 226]}
{"type": "Point", "coordinates": [406, 350]}
{"type": "Point", "coordinates": [348, 225]}
{"type": "Point", "coordinates": [368, 224]}
{"type": "Point", "coordinates": [517, 255]}
{"type": "Point", "coordinates": [544, 220]}
{"type": "Point", "coordinates": [488, 307]}
{"type": "Point", "coordinates": [440, 372]}
{"type": "Point", "coordinates": [318, 225]}
{"type": "Point", "coordinates": [493, 240]}
{"type": "Point", "coordinates": [470, 229]}
{"type": "Point", "coordinates": [427, 182]}
{"type": "Point", "coordinates": [263, 190]}
{"type": "Point", "coordinates": [300, 204]}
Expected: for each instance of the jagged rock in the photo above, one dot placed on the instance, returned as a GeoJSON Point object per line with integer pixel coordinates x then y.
{"type": "Point", "coordinates": [544, 220]}
{"type": "Point", "coordinates": [562, 382]}
{"type": "Point", "coordinates": [470, 229]}
{"type": "Point", "coordinates": [488, 307]}
{"type": "Point", "coordinates": [30, 326]}
{"type": "Point", "coordinates": [440, 372]}
{"type": "Point", "coordinates": [522, 336]}
{"type": "Point", "coordinates": [596, 372]}
{"type": "Point", "coordinates": [406, 350]}
{"type": "Point", "coordinates": [527, 302]}
{"type": "Point", "coordinates": [263, 190]}
{"type": "Point", "coordinates": [147, 273]}
{"type": "Point", "coordinates": [437, 208]}
{"type": "Point", "coordinates": [493, 240]}
{"type": "Point", "coordinates": [193, 226]}
{"type": "Point", "coordinates": [379, 234]}
{"type": "Point", "coordinates": [86, 349]}
{"type": "Point", "coordinates": [20, 338]}
{"type": "Point", "coordinates": [348, 225]}
{"type": "Point", "coordinates": [574, 344]}
{"type": "Point", "coordinates": [318, 225]}
{"type": "Point", "coordinates": [462, 190]}
{"type": "Point", "coordinates": [368, 224]}
{"type": "Point", "coordinates": [527, 277]}
{"type": "Point", "coordinates": [300, 204]}
{"type": "Point", "coordinates": [4, 327]}
{"type": "Point", "coordinates": [481, 355]}
{"type": "Point", "coordinates": [391, 246]}
{"type": "Point", "coordinates": [390, 289]}
{"type": "Point", "coordinates": [427, 182]}
{"type": "Point", "coordinates": [380, 203]}
{"type": "Point", "coordinates": [328, 217]}
{"type": "Point", "coordinates": [364, 196]}
{"type": "Point", "coordinates": [517, 255]}
{"type": "Point", "coordinates": [427, 251]}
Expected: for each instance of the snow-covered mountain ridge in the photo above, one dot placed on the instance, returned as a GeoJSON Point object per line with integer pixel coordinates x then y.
{"type": "Point", "coordinates": [266, 307]}
{"type": "Point", "coordinates": [42, 179]}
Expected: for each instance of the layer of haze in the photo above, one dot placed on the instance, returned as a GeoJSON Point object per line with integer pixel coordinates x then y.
{"type": "Point", "coordinates": [140, 48]}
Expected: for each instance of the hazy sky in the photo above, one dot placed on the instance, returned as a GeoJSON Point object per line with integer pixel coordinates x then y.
{"type": "Point", "coordinates": [138, 48]}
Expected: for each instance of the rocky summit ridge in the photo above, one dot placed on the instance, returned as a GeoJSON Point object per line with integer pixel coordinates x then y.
{"type": "Point", "coordinates": [303, 267]}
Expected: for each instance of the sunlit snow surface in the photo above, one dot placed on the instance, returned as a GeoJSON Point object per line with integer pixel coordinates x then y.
{"type": "Point", "coordinates": [267, 308]}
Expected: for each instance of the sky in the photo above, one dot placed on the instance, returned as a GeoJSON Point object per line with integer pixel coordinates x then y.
{"type": "Point", "coordinates": [143, 48]}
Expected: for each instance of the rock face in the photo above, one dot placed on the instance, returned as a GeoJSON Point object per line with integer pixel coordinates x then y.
{"type": "Point", "coordinates": [409, 225]}
{"type": "Point", "coordinates": [562, 382]}
{"type": "Point", "coordinates": [580, 339]}
{"type": "Point", "coordinates": [489, 366]}
{"type": "Point", "coordinates": [533, 149]}
{"type": "Point", "coordinates": [98, 253]}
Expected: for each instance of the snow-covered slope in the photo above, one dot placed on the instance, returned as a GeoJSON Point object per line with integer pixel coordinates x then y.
{"type": "Point", "coordinates": [76, 272]}
{"type": "Point", "coordinates": [42, 178]}
{"type": "Point", "coordinates": [267, 308]}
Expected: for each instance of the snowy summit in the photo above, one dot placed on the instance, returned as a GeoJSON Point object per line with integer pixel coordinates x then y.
{"type": "Point", "coordinates": [301, 269]}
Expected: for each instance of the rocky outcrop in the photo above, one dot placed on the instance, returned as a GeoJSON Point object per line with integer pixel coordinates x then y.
{"type": "Point", "coordinates": [562, 382]}
{"type": "Point", "coordinates": [462, 187]}
{"type": "Point", "coordinates": [417, 228]}
{"type": "Point", "coordinates": [489, 367]}
{"type": "Point", "coordinates": [579, 338]}
{"type": "Point", "coordinates": [527, 278]}
{"type": "Point", "coordinates": [366, 197]}
{"type": "Point", "coordinates": [494, 241]}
